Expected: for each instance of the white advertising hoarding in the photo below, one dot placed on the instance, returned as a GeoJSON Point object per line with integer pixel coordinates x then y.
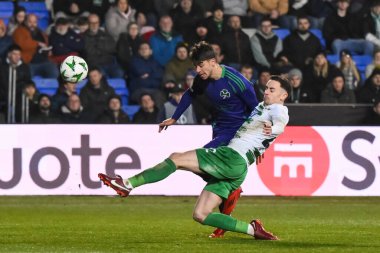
{"type": "Point", "coordinates": [65, 160]}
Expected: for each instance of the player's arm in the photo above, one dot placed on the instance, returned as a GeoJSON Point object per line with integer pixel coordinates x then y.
{"type": "Point", "coordinates": [182, 106]}
{"type": "Point", "coordinates": [280, 119]}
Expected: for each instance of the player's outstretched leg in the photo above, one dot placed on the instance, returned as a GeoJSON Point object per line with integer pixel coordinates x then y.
{"type": "Point", "coordinates": [115, 183]}
{"type": "Point", "coordinates": [226, 208]}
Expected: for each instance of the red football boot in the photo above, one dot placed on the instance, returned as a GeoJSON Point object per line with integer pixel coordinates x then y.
{"type": "Point", "coordinates": [261, 233]}
{"type": "Point", "coordinates": [115, 183]}
{"type": "Point", "coordinates": [227, 207]}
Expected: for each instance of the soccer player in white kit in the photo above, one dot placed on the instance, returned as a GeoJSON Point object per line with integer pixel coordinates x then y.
{"type": "Point", "coordinates": [227, 165]}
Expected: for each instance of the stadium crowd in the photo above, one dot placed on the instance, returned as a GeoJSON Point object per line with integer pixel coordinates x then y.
{"type": "Point", "coordinates": [147, 42]}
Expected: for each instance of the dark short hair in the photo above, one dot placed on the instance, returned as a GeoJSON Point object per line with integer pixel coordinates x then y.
{"type": "Point", "coordinates": [303, 16]}
{"type": "Point", "coordinates": [14, 47]}
{"type": "Point", "coordinates": [284, 83]}
{"type": "Point", "coordinates": [95, 68]}
{"type": "Point", "coordinates": [201, 51]}
{"type": "Point", "coordinates": [265, 19]}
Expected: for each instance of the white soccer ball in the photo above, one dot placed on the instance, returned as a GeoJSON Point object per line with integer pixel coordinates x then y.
{"type": "Point", "coordinates": [73, 69]}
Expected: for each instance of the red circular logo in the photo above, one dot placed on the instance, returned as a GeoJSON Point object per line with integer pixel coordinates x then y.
{"type": "Point", "coordinates": [296, 164]}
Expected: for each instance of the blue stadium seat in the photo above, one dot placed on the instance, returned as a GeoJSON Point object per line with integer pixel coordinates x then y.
{"type": "Point", "coordinates": [333, 58]}
{"type": "Point", "coordinates": [5, 14]}
{"type": "Point", "coordinates": [43, 23]}
{"type": "Point", "coordinates": [130, 110]}
{"type": "Point", "coordinates": [117, 83]}
{"type": "Point", "coordinates": [81, 84]}
{"type": "Point", "coordinates": [34, 6]}
{"type": "Point", "coordinates": [45, 82]}
{"type": "Point", "coordinates": [281, 33]}
{"type": "Point", "coordinates": [319, 35]}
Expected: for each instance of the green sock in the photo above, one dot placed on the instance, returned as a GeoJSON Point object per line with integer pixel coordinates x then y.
{"type": "Point", "coordinates": [226, 222]}
{"type": "Point", "coordinates": [157, 173]}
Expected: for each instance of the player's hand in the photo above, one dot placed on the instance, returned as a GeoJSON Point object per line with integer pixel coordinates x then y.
{"type": "Point", "coordinates": [259, 159]}
{"type": "Point", "coordinates": [164, 124]}
{"type": "Point", "coordinates": [267, 128]}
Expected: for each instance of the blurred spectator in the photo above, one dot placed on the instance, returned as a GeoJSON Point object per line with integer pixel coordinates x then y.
{"type": "Point", "coordinates": [5, 41]}
{"type": "Point", "coordinates": [299, 93]}
{"type": "Point", "coordinates": [95, 94]}
{"type": "Point", "coordinates": [145, 74]}
{"type": "Point", "coordinates": [114, 114]}
{"type": "Point", "coordinates": [146, 31]}
{"type": "Point", "coordinates": [216, 24]}
{"type": "Point", "coordinates": [371, 26]}
{"type": "Point", "coordinates": [32, 94]}
{"type": "Point", "coordinates": [370, 91]}
{"type": "Point", "coordinates": [118, 17]}
{"type": "Point", "coordinates": [200, 33]}
{"type": "Point", "coordinates": [128, 45]}
{"type": "Point", "coordinates": [260, 85]}
{"type": "Point", "coordinates": [189, 79]}
{"type": "Point", "coordinates": [71, 9]}
{"type": "Point", "coordinates": [274, 9]}
{"type": "Point", "coordinates": [374, 64]}
{"type": "Point", "coordinates": [337, 93]}
{"type": "Point", "coordinates": [236, 46]}
{"type": "Point", "coordinates": [22, 76]}
{"type": "Point", "coordinates": [247, 72]}
{"type": "Point", "coordinates": [374, 117]}
{"type": "Point", "coordinates": [163, 7]}
{"type": "Point", "coordinates": [18, 18]}
{"type": "Point", "coordinates": [43, 114]}
{"type": "Point", "coordinates": [218, 52]}
{"type": "Point", "coordinates": [148, 112]}
{"type": "Point", "coordinates": [319, 74]}
{"type": "Point", "coordinates": [300, 46]}
{"type": "Point", "coordinates": [342, 30]}
{"type": "Point", "coordinates": [265, 44]}
{"type": "Point", "coordinates": [237, 8]}
{"type": "Point", "coordinates": [179, 65]}
{"type": "Point", "coordinates": [176, 93]}
{"type": "Point", "coordinates": [65, 89]}
{"type": "Point", "coordinates": [73, 112]}
{"type": "Point", "coordinates": [208, 6]}
{"type": "Point", "coordinates": [100, 49]}
{"type": "Point", "coordinates": [185, 16]}
{"type": "Point", "coordinates": [64, 41]}
{"type": "Point", "coordinates": [147, 8]}
{"type": "Point", "coordinates": [81, 26]}
{"type": "Point", "coordinates": [100, 8]}
{"type": "Point", "coordinates": [164, 41]}
{"type": "Point", "coordinates": [348, 67]}
{"type": "Point", "coordinates": [35, 48]}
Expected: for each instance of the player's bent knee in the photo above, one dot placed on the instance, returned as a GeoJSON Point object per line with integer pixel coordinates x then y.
{"type": "Point", "coordinates": [199, 216]}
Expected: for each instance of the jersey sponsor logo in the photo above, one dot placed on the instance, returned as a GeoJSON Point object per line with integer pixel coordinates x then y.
{"type": "Point", "coordinates": [296, 164]}
{"type": "Point", "coordinates": [225, 94]}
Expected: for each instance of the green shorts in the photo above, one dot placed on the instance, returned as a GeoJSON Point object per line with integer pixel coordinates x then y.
{"type": "Point", "coordinates": [226, 168]}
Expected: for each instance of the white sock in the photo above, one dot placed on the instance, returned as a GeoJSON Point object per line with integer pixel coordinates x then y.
{"type": "Point", "coordinates": [127, 184]}
{"type": "Point", "coordinates": [251, 230]}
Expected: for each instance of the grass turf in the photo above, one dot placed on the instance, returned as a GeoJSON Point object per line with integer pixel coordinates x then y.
{"type": "Point", "coordinates": [164, 224]}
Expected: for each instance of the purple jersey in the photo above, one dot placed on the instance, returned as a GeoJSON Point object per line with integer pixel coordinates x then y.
{"type": "Point", "coordinates": [232, 96]}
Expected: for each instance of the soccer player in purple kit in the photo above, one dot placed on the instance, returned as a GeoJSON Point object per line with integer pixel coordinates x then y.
{"type": "Point", "coordinates": [233, 97]}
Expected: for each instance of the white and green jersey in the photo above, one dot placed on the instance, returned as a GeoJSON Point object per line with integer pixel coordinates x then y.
{"type": "Point", "coordinates": [250, 141]}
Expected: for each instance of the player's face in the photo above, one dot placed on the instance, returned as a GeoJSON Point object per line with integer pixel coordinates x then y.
{"type": "Point", "coordinates": [274, 94]}
{"type": "Point", "coordinates": [204, 68]}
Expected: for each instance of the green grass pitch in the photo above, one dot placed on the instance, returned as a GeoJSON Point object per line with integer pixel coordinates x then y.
{"type": "Point", "coordinates": [164, 224]}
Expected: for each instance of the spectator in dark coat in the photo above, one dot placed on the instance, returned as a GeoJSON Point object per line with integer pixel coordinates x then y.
{"type": "Point", "coordinates": [22, 76]}
{"type": "Point", "coordinates": [64, 41]}
{"type": "Point", "coordinates": [371, 25]}
{"type": "Point", "coordinates": [95, 94]}
{"type": "Point", "coordinates": [145, 73]}
{"type": "Point", "coordinates": [128, 45]}
{"type": "Point", "coordinates": [319, 74]}
{"type": "Point", "coordinates": [337, 93]}
{"type": "Point", "coordinates": [148, 113]}
{"type": "Point", "coordinates": [373, 118]}
{"type": "Point", "coordinates": [5, 41]}
{"type": "Point", "coordinates": [370, 91]}
{"type": "Point", "coordinates": [342, 30]}
{"type": "Point", "coordinates": [114, 114]}
{"type": "Point", "coordinates": [185, 15]}
{"type": "Point", "coordinates": [44, 114]}
{"type": "Point", "coordinates": [300, 46]}
{"type": "Point", "coordinates": [236, 46]}
{"type": "Point", "coordinates": [260, 85]}
{"type": "Point", "coordinates": [71, 9]}
{"type": "Point", "coordinates": [73, 112]}
{"type": "Point", "coordinates": [200, 34]}
{"type": "Point", "coordinates": [299, 93]}
{"type": "Point", "coordinates": [216, 24]}
{"type": "Point", "coordinates": [65, 89]}
{"type": "Point", "coordinates": [100, 49]}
